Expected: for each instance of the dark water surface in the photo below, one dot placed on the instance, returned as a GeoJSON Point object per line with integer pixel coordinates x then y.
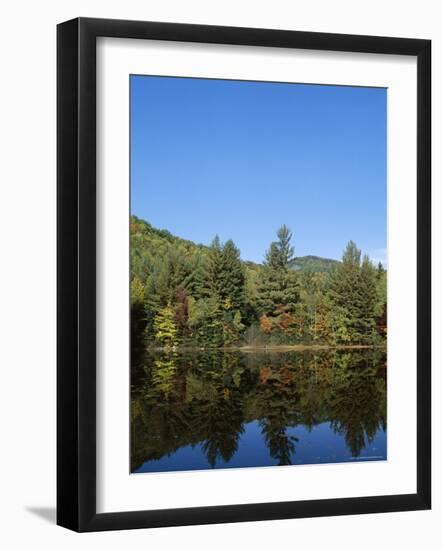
{"type": "Point", "coordinates": [227, 409]}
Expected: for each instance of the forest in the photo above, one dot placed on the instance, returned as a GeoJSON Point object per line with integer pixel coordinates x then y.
{"type": "Point", "coordinates": [187, 295]}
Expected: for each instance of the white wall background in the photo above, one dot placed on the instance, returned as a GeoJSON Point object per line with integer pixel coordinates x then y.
{"type": "Point", "coordinates": [27, 275]}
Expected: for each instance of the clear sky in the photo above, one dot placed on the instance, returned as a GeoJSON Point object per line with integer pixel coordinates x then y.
{"type": "Point", "coordinates": [239, 159]}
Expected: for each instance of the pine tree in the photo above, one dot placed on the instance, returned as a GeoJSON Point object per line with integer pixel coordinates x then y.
{"type": "Point", "coordinates": [223, 274]}
{"type": "Point", "coordinates": [281, 252]}
{"type": "Point", "coordinates": [231, 278]}
{"type": "Point", "coordinates": [278, 290]}
{"type": "Point", "coordinates": [351, 258]}
{"type": "Point", "coordinates": [222, 283]}
{"type": "Point", "coordinates": [272, 257]}
{"type": "Point", "coordinates": [353, 295]}
{"type": "Point", "coordinates": [286, 251]}
{"type": "Point", "coordinates": [381, 303]}
{"type": "Point", "coordinates": [209, 284]}
{"type": "Point", "coordinates": [367, 318]}
{"type": "Point", "coordinates": [169, 274]}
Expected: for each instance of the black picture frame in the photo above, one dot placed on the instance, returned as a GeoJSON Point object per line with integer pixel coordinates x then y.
{"type": "Point", "coordinates": [77, 287]}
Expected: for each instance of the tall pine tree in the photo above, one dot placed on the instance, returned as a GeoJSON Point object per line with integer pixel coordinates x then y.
{"type": "Point", "coordinates": [354, 297]}
{"type": "Point", "coordinates": [278, 291]}
{"type": "Point", "coordinates": [231, 278]}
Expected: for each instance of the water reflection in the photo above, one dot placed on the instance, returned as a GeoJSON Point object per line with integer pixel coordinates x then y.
{"type": "Point", "coordinates": [222, 409]}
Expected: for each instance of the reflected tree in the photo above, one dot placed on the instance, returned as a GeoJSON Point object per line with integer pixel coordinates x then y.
{"type": "Point", "coordinates": [206, 399]}
{"type": "Point", "coordinates": [357, 406]}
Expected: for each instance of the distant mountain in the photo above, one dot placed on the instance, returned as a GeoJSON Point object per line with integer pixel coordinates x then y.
{"type": "Point", "coordinates": [313, 264]}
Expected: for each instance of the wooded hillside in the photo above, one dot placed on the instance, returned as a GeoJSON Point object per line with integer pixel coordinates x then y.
{"type": "Point", "coordinates": [186, 294]}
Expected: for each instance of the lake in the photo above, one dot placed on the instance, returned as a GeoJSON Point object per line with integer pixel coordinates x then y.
{"type": "Point", "coordinates": [194, 410]}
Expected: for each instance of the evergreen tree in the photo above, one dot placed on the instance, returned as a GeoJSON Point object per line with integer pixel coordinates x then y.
{"type": "Point", "coordinates": [367, 320]}
{"type": "Point", "coordinates": [169, 274]}
{"type": "Point", "coordinates": [222, 282]}
{"type": "Point", "coordinates": [381, 304]}
{"type": "Point", "coordinates": [353, 296]}
{"type": "Point", "coordinates": [351, 258]}
{"type": "Point", "coordinates": [210, 282]}
{"type": "Point", "coordinates": [223, 276]}
{"type": "Point", "coordinates": [281, 252]}
{"type": "Point", "coordinates": [278, 290]}
{"type": "Point", "coordinates": [272, 257]}
{"type": "Point", "coordinates": [286, 251]}
{"type": "Point", "coordinates": [231, 278]}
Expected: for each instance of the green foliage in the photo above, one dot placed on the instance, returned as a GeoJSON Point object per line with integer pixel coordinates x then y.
{"type": "Point", "coordinates": [281, 252]}
{"type": "Point", "coordinates": [223, 275]}
{"type": "Point", "coordinates": [278, 289]}
{"type": "Point", "coordinates": [184, 294]}
{"type": "Point", "coordinates": [353, 296]}
{"type": "Point", "coordinates": [165, 328]}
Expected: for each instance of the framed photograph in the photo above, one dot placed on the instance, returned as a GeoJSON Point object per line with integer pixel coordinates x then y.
{"type": "Point", "coordinates": [243, 274]}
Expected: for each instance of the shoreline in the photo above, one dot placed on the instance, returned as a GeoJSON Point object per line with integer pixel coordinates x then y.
{"type": "Point", "coordinates": [281, 348]}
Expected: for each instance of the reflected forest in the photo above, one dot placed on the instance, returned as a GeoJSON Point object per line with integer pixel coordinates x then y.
{"type": "Point", "coordinates": [238, 364]}
{"type": "Point", "coordinates": [220, 409]}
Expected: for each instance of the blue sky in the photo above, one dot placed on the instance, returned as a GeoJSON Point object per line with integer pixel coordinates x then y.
{"type": "Point", "coordinates": [239, 159]}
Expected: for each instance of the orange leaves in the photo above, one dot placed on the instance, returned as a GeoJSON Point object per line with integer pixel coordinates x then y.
{"type": "Point", "coordinates": [264, 374]}
{"type": "Point", "coordinates": [285, 321]}
{"type": "Point", "coordinates": [265, 324]}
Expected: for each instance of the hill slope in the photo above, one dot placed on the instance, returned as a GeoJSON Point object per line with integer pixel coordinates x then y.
{"type": "Point", "coordinates": [146, 235]}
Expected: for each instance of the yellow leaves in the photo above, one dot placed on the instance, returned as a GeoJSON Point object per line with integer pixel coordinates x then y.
{"type": "Point", "coordinates": [165, 328]}
{"type": "Point", "coordinates": [137, 291]}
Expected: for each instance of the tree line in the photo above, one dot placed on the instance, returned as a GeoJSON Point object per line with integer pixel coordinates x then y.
{"type": "Point", "coordinates": [188, 295]}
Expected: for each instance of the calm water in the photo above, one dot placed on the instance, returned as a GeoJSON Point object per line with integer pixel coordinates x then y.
{"type": "Point", "coordinates": [192, 411]}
